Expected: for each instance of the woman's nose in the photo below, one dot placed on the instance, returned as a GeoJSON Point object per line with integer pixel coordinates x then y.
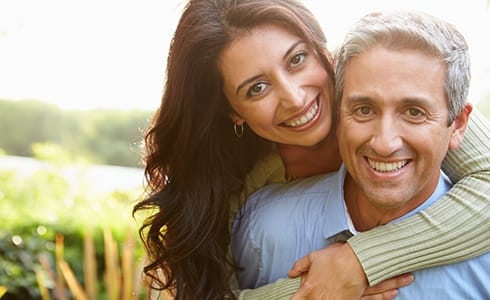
{"type": "Point", "coordinates": [291, 94]}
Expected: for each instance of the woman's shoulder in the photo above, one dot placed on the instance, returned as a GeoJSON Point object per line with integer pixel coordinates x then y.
{"type": "Point", "coordinates": [266, 170]}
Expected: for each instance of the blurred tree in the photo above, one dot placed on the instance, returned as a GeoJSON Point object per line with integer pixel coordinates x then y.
{"type": "Point", "coordinates": [27, 122]}
{"type": "Point", "coordinates": [116, 135]}
{"type": "Point", "coordinates": [99, 136]}
{"type": "Point", "coordinates": [51, 152]}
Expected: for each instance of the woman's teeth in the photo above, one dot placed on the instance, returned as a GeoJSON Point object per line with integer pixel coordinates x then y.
{"type": "Point", "coordinates": [305, 118]}
{"type": "Point", "coordinates": [387, 167]}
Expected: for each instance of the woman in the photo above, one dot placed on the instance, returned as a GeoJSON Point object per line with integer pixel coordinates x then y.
{"type": "Point", "coordinates": [203, 157]}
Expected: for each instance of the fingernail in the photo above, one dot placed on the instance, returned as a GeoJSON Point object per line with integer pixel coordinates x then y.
{"type": "Point", "coordinates": [409, 278]}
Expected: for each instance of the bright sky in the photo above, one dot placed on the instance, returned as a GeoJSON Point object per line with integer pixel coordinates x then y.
{"type": "Point", "coordinates": [82, 54]}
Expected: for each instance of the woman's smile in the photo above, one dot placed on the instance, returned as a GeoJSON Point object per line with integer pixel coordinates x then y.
{"type": "Point", "coordinates": [312, 113]}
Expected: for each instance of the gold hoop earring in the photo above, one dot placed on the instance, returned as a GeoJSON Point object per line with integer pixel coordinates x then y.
{"type": "Point", "coordinates": [238, 130]}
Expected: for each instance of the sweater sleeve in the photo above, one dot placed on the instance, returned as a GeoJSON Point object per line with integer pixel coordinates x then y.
{"type": "Point", "coordinates": [282, 289]}
{"type": "Point", "coordinates": [453, 229]}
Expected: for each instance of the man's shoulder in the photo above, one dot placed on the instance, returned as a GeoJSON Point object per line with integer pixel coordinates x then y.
{"type": "Point", "coordinates": [280, 201]}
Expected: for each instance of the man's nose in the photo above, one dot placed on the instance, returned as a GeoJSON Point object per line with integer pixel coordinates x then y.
{"type": "Point", "coordinates": [386, 138]}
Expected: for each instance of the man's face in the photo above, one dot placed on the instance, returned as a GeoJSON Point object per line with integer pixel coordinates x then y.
{"type": "Point", "coordinates": [393, 131]}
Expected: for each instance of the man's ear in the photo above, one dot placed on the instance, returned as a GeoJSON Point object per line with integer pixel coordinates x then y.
{"type": "Point", "coordinates": [460, 124]}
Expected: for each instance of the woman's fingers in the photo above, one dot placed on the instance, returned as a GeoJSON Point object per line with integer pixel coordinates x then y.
{"type": "Point", "coordinates": [387, 295]}
{"type": "Point", "coordinates": [389, 285]}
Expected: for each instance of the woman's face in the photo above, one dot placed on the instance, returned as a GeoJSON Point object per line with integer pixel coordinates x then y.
{"type": "Point", "coordinates": [276, 83]}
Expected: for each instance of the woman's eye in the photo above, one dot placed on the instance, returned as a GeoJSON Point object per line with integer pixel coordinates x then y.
{"type": "Point", "coordinates": [256, 89]}
{"type": "Point", "coordinates": [297, 59]}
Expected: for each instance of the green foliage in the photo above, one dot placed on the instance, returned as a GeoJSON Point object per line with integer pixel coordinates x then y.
{"type": "Point", "coordinates": [36, 206]}
{"type": "Point", "coordinates": [29, 121]}
{"type": "Point", "coordinates": [99, 136]}
{"type": "Point", "coordinates": [116, 135]}
{"type": "Point", "coordinates": [28, 200]}
{"type": "Point", "coordinates": [50, 152]}
{"type": "Point", "coordinates": [18, 262]}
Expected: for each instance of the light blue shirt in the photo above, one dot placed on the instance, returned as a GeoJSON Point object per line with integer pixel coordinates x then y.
{"type": "Point", "coordinates": [283, 222]}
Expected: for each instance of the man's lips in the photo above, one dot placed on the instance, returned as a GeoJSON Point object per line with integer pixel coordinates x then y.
{"type": "Point", "coordinates": [386, 167]}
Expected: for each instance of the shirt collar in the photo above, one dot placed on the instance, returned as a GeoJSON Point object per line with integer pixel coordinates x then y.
{"type": "Point", "coordinates": [339, 219]}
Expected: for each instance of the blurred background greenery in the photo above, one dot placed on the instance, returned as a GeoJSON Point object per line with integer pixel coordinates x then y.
{"type": "Point", "coordinates": [101, 136]}
{"type": "Point", "coordinates": [62, 173]}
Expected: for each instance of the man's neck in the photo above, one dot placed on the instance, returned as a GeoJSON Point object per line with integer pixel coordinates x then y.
{"type": "Point", "coordinates": [366, 216]}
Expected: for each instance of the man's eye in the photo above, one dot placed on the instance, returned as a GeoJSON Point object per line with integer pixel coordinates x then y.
{"type": "Point", "coordinates": [256, 89]}
{"type": "Point", "coordinates": [363, 110]}
{"type": "Point", "coordinates": [415, 112]}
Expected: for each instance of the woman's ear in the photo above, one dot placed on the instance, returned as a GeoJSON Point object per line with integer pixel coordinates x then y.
{"type": "Point", "coordinates": [236, 119]}
{"type": "Point", "coordinates": [460, 124]}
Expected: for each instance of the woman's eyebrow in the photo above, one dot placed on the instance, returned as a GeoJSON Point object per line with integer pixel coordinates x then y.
{"type": "Point", "coordinates": [288, 52]}
{"type": "Point", "coordinates": [247, 81]}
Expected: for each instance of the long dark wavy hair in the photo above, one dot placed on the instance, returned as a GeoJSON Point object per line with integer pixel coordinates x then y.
{"type": "Point", "coordinates": [194, 161]}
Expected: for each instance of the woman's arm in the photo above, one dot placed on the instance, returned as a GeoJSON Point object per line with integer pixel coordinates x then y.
{"type": "Point", "coordinates": [455, 228]}
{"type": "Point", "coordinates": [281, 289]}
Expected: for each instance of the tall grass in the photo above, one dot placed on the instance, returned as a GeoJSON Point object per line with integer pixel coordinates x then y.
{"type": "Point", "coordinates": [122, 277]}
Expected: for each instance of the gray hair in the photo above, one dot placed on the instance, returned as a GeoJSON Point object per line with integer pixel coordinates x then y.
{"type": "Point", "coordinates": [413, 30]}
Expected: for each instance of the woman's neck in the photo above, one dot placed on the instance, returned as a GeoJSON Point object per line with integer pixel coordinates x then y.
{"type": "Point", "coordinates": [301, 161]}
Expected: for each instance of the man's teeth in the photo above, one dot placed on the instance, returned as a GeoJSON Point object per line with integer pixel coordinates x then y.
{"type": "Point", "coordinates": [387, 167]}
{"type": "Point", "coordinates": [305, 118]}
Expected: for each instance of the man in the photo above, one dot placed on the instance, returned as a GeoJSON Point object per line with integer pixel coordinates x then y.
{"type": "Point", "coordinates": [402, 82]}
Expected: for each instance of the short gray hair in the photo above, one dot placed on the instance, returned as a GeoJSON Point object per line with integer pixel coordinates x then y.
{"type": "Point", "coordinates": [414, 30]}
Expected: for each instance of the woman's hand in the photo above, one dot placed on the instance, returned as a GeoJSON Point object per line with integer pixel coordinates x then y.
{"type": "Point", "coordinates": [335, 273]}
{"type": "Point", "coordinates": [387, 289]}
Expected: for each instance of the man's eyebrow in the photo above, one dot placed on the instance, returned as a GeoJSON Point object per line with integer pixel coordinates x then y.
{"type": "Point", "coordinates": [288, 52]}
{"type": "Point", "coordinates": [353, 99]}
{"type": "Point", "coordinates": [418, 101]}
